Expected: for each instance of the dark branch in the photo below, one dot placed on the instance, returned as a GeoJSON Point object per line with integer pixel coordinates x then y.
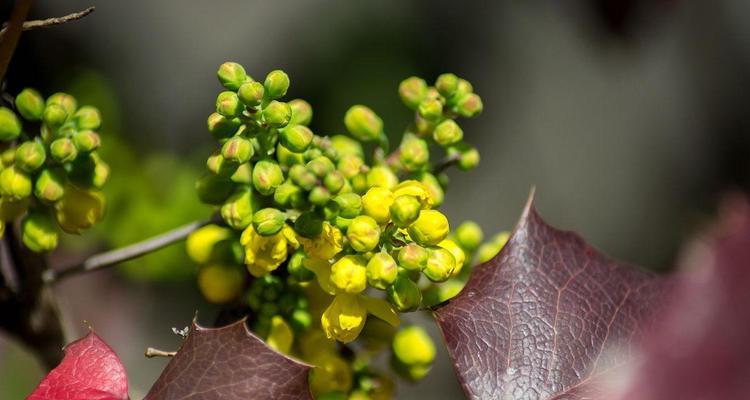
{"type": "Point", "coordinates": [12, 33]}
{"type": "Point", "coordinates": [445, 163]}
{"type": "Point", "coordinates": [46, 23]}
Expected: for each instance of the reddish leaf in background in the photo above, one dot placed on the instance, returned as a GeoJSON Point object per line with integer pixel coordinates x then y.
{"type": "Point", "coordinates": [701, 349]}
{"type": "Point", "coordinates": [230, 363]}
{"type": "Point", "coordinates": [90, 370]}
{"type": "Point", "coordinates": [547, 318]}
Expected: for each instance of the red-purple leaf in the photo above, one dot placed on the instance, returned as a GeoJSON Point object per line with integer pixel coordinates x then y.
{"type": "Point", "coordinates": [89, 371]}
{"type": "Point", "coordinates": [547, 318]}
{"type": "Point", "coordinates": [701, 346]}
{"type": "Point", "coordinates": [230, 363]}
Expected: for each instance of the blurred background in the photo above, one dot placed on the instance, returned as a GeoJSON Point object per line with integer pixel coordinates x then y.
{"type": "Point", "coordinates": [630, 118]}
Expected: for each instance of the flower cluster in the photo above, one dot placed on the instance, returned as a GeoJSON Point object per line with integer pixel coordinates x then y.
{"type": "Point", "coordinates": [51, 172]}
{"type": "Point", "coordinates": [354, 233]}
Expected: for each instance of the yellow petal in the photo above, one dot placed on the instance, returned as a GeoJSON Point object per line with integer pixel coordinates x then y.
{"type": "Point", "coordinates": [381, 309]}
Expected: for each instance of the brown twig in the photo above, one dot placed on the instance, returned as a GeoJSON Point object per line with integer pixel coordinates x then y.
{"type": "Point", "coordinates": [152, 352]}
{"type": "Point", "coordinates": [46, 23]}
{"type": "Point", "coordinates": [445, 163]}
{"type": "Point", "coordinates": [12, 33]}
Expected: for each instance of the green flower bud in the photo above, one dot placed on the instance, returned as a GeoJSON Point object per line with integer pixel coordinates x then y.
{"type": "Point", "coordinates": [251, 93]}
{"type": "Point", "coordinates": [267, 176]}
{"type": "Point", "coordinates": [464, 87]}
{"type": "Point", "coordinates": [468, 156]}
{"type": "Point", "coordinates": [237, 150]}
{"type": "Point", "coordinates": [430, 109]}
{"type": "Point", "coordinates": [433, 186]}
{"type": "Point", "coordinates": [412, 91]}
{"type": "Point", "coordinates": [10, 125]}
{"type": "Point", "coordinates": [30, 156]}
{"type": "Point", "coordinates": [39, 233]}
{"type": "Point", "coordinates": [308, 225]}
{"type": "Point", "coordinates": [345, 145]}
{"type": "Point", "coordinates": [350, 204]}
{"type": "Point", "coordinates": [440, 264]}
{"type": "Point", "coordinates": [219, 166]}
{"type": "Point", "coordinates": [212, 189]}
{"type": "Point", "coordinates": [86, 141]}
{"type": "Point", "coordinates": [63, 150]}
{"type": "Point", "coordinates": [87, 117]}
{"type": "Point", "coordinates": [296, 138]}
{"type": "Point", "coordinates": [381, 176]}
{"type": "Point", "coordinates": [220, 283]}
{"type": "Point", "coordinates": [413, 352]}
{"type": "Point", "coordinates": [277, 114]}
{"type": "Point", "coordinates": [101, 174]}
{"type": "Point", "coordinates": [320, 166]}
{"type": "Point", "coordinates": [430, 228]}
{"type": "Point", "coordinates": [381, 271]}
{"type": "Point", "coordinates": [243, 174]}
{"type": "Point", "coordinates": [413, 257]}
{"type": "Point", "coordinates": [88, 170]}
{"type": "Point", "coordinates": [349, 274]}
{"type": "Point", "coordinates": [288, 195]}
{"type": "Point", "coordinates": [301, 320]}
{"type": "Point", "coordinates": [359, 183]}
{"type": "Point", "coordinates": [228, 104]}
{"type": "Point", "coordinates": [276, 84]}
{"type": "Point", "coordinates": [404, 294]}
{"type": "Point", "coordinates": [447, 84]}
{"type": "Point", "coordinates": [489, 250]}
{"type": "Point", "coordinates": [14, 184]}
{"type": "Point", "coordinates": [414, 153]}
{"type": "Point", "coordinates": [268, 221]}
{"type": "Point", "coordinates": [238, 210]}
{"type": "Point", "coordinates": [334, 181]}
{"type": "Point", "coordinates": [50, 185]}
{"type": "Point", "coordinates": [221, 127]}
{"type": "Point", "coordinates": [350, 165]}
{"type": "Point", "coordinates": [405, 210]}
{"type": "Point", "coordinates": [287, 157]}
{"type": "Point", "coordinates": [319, 196]}
{"type": "Point", "coordinates": [231, 75]}
{"type": "Point", "coordinates": [54, 115]}
{"type": "Point", "coordinates": [363, 123]}
{"type": "Point", "coordinates": [296, 268]}
{"type": "Point", "coordinates": [30, 104]}
{"type": "Point", "coordinates": [343, 223]}
{"type": "Point", "coordinates": [302, 177]}
{"type": "Point", "coordinates": [469, 235]}
{"type": "Point", "coordinates": [363, 234]}
{"type": "Point", "coordinates": [447, 132]}
{"type": "Point", "coordinates": [301, 112]}
{"type": "Point", "coordinates": [469, 105]}
{"type": "Point", "coordinates": [313, 153]}
{"type": "Point", "coordinates": [64, 100]}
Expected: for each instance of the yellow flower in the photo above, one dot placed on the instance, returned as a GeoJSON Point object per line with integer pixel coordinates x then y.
{"type": "Point", "coordinates": [376, 203]}
{"type": "Point", "coordinates": [264, 254]}
{"type": "Point", "coordinates": [200, 243]}
{"type": "Point", "coordinates": [280, 337]}
{"type": "Point", "coordinates": [458, 254]}
{"type": "Point", "coordinates": [324, 246]}
{"type": "Point", "coordinates": [349, 274]}
{"type": "Point", "coordinates": [78, 209]}
{"type": "Point", "coordinates": [219, 283]}
{"type": "Point", "coordinates": [430, 228]}
{"type": "Point", "coordinates": [416, 189]}
{"type": "Point", "coordinates": [344, 319]}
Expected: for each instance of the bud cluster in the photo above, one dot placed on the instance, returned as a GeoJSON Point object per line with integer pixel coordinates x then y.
{"type": "Point", "coordinates": [302, 210]}
{"type": "Point", "coordinates": [50, 171]}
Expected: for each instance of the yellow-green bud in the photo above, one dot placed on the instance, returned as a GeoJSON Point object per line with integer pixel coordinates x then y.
{"type": "Point", "coordinates": [376, 203]}
{"type": "Point", "coordinates": [349, 274]}
{"type": "Point", "coordinates": [219, 166]}
{"type": "Point", "coordinates": [469, 235]}
{"type": "Point", "coordinates": [296, 268]}
{"type": "Point", "coordinates": [413, 352]}
{"type": "Point", "coordinates": [430, 109]}
{"type": "Point", "coordinates": [302, 177]}
{"type": "Point", "coordinates": [469, 105]}
{"type": "Point", "coordinates": [350, 165]}
{"type": "Point", "coordinates": [267, 176]}
{"type": "Point", "coordinates": [414, 153]}
{"type": "Point", "coordinates": [277, 114]}
{"type": "Point", "coordinates": [296, 138]}
{"type": "Point", "coordinates": [54, 115]}
{"type": "Point", "coordinates": [440, 264]}
{"type": "Point", "coordinates": [447, 132]}
{"type": "Point", "coordinates": [489, 250]}
{"type": "Point", "coordinates": [430, 228]}
{"type": "Point", "coordinates": [412, 91]}
{"type": "Point", "coordinates": [276, 84]}
{"type": "Point", "coordinates": [308, 225]}
{"type": "Point", "coordinates": [212, 189]}
{"type": "Point", "coordinates": [268, 221]}
{"type": "Point", "coordinates": [320, 166]}
{"type": "Point", "coordinates": [231, 75]}
{"type": "Point", "coordinates": [63, 150]}
{"type": "Point", "coordinates": [220, 283]}
{"type": "Point", "coordinates": [30, 104]}
{"type": "Point", "coordinates": [381, 271]}
{"type": "Point", "coordinates": [30, 156]}
{"type": "Point", "coordinates": [251, 93]}
{"type": "Point", "coordinates": [50, 185]}
{"type": "Point", "coordinates": [288, 195]}
{"type": "Point", "coordinates": [363, 234]}
{"type": "Point", "coordinates": [334, 181]}
{"type": "Point", "coordinates": [363, 123]}
{"type": "Point", "coordinates": [221, 127]}
{"type": "Point", "coordinates": [87, 117]}
{"type": "Point", "coordinates": [413, 257]}
{"type": "Point", "coordinates": [404, 294]}
{"type": "Point", "coordinates": [287, 157]}
{"type": "Point", "coordinates": [39, 233]}
{"type": "Point", "coordinates": [345, 145]}
{"type": "Point", "coordinates": [350, 205]}
{"type": "Point", "coordinates": [10, 125]}
{"type": "Point", "coordinates": [301, 112]}
{"type": "Point", "coordinates": [14, 184]}
{"type": "Point", "coordinates": [238, 210]}
{"type": "Point", "coordinates": [101, 174]}
{"type": "Point", "coordinates": [468, 156]}
{"type": "Point", "coordinates": [381, 176]}
{"type": "Point", "coordinates": [359, 183]}
{"type": "Point", "coordinates": [343, 223]}
{"type": "Point", "coordinates": [243, 174]}
{"type": "Point", "coordinates": [228, 104]}
{"type": "Point", "coordinates": [447, 84]}
{"type": "Point", "coordinates": [86, 141]}
{"type": "Point", "coordinates": [237, 150]}
{"type": "Point", "coordinates": [319, 196]}
{"type": "Point", "coordinates": [405, 210]}
{"type": "Point", "coordinates": [433, 186]}
{"type": "Point", "coordinates": [458, 254]}
{"type": "Point", "coordinates": [64, 100]}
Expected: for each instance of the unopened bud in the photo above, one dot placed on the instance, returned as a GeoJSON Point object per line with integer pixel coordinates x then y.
{"type": "Point", "coordinates": [349, 274]}
{"type": "Point", "coordinates": [447, 132]}
{"type": "Point", "coordinates": [404, 294]}
{"type": "Point", "coordinates": [221, 127]}
{"type": "Point", "coordinates": [363, 234]}
{"type": "Point", "coordinates": [50, 185]}
{"type": "Point", "coordinates": [430, 228]}
{"type": "Point", "coordinates": [412, 91]}
{"type": "Point", "coordinates": [405, 210]}
{"type": "Point", "coordinates": [87, 117]}
{"type": "Point", "coordinates": [382, 176]}
{"type": "Point", "coordinates": [288, 195]}
{"type": "Point", "coordinates": [86, 141]}
{"type": "Point", "coordinates": [276, 84]}
{"type": "Point", "coordinates": [10, 125]}
{"type": "Point", "coordinates": [363, 123]}
{"type": "Point", "coordinates": [296, 138]}
{"type": "Point", "coordinates": [267, 176]}
{"type": "Point", "coordinates": [268, 221]}
{"type": "Point", "coordinates": [430, 109]}
{"type": "Point", "coordinates": [301, 112]}
{"type": "Point", "coordinates": [296, 268]}
{"type": "Point", "coordinates": [469, 105]}
{"type": "Point", "coordinates": [251, 93]}
{"type": "Point", "coordinates": [447, 84]}
{"type": "Point", "coordinates": [350, 165]}
{"type": "Point", "coordinates": [30, 104]}
{"type": "Point", "coordinates": [320, 166]}
{"type": "Point", "coordinates": [413, 257]}
{"type": "Point", "coordinates": [15, 184]}
{"type": "Point", "coordinates": [414, 153]}
{"type": "Point", "coordinates": [228, 104]}
{"type": "Point", "coordinates": [212, 189]}
{"type": "Point", "coordinates": [237, 149]}
{"type": "Point", "coordinates": [219, 166]}
{"type": "Point", "coordinates": [334, 181]}
{"type": "Point", "coordinates": [287, 157]}
{"type": "Point", "coordinates": [319, 196]}
{"type": "Point", "coordinates": [30, 156]}
{"type": "Point", "coordinates": [238, 210]}
{"type": "Point", "coordinates": [350, 205]}
{"type": "Point", "coordinates": [345, 145]}
{"type": "Point", "coordinates": [54, 115]}
{"type": "Point", "coordinates": [39, 233]}
{"type": "Point", "coordinates": [381, 271]}
{"type": "Point", "coordinates": [413, 352]}
{"type": "Point", "coordinates": [64, 100]}
{"type": "Point", "coordinates": [440, 264]}
{"type": "Point", "coordinates": [277, 114]}
{"type": "Point", "coordinates": [308, 225]}
{"type": "Point", "coordinates": [302, 177]}
{"type": "Point", "coordinates": [469, 235]}
{"type": "Point", "coordinates": [63, 150]}
{"type": "Point", "coordinates": [231, 75]}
